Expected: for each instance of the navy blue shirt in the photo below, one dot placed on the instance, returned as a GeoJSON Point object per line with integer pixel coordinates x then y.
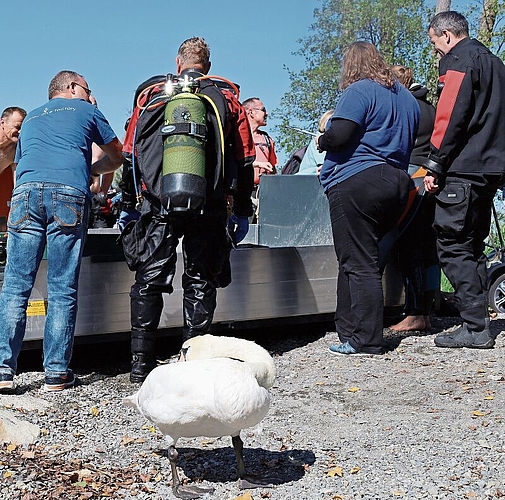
{"type": "Point", "coordinates": [387, 118]}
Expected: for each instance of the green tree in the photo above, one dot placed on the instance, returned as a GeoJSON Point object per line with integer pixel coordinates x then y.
{"type": "Point", "coordinates": [396, 27]}
{"type": "Point", "coordinates": [491, 28]}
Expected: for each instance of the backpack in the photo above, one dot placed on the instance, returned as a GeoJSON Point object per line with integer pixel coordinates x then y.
{"type": "Point", "coordinates": [293, 164]}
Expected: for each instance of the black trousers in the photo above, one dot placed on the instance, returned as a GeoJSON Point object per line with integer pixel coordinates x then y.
{"type": "Point", "coordinates": [417, 256]}
{"type": "Point", "coordinates": [462, 222]}
{"type": "Point", "coordinates": [205, 250]}
{"type": "Point", "coordinates": [363, 209]}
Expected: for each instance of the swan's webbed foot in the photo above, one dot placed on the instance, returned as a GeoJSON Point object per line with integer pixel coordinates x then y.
{"type": "Point", "coordinates": [189, 491]}
{"type": "Point", "coordinates": [250, 482]}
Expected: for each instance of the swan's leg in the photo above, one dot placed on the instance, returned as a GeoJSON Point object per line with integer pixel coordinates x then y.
{"type": "Point", "coordinates": [238, 446]}
{"type": "Point", "coordinates": [245, 481]}
{"type": "Point", "coordinates": [188, 491]}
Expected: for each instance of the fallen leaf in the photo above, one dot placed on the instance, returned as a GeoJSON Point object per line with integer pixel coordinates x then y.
{"type": "Point", "coordinates": [245, 496]}
{"type": "Point", "coordinates": [489, 397]}
{"type": "Point", "coordinates": [11, 447]}
{"type": "Point", "coordinates": [7, 474]}
{"type": "Point", "coordinates": [94, 411]}
{"type": "Point", "coordinates": [353, 389]}
{"type": "Point", "coordinates": [355, 469]}
{"type": "Point", "coordinates": [127, 440]}
{"type": "Point", "coordinates": [336, 471]}
{"type": "Point", "coordinates": [478, 413]}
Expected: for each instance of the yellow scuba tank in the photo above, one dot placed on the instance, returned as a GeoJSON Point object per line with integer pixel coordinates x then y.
{"type": "Point", "coordinates": [183, 185]}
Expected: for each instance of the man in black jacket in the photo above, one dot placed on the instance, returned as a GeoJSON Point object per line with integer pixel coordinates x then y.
{"type": "Point", "coordinates": [466, 165]}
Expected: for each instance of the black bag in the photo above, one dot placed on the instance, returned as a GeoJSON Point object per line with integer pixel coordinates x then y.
{"type": "Point", "coordinates": [293, 164]}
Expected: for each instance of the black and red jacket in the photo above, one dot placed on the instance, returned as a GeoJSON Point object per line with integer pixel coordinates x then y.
{"type": "Point", "coordinates": [469, 132]}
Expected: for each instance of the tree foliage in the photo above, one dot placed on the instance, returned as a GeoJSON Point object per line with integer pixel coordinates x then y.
{"type": "Point", "coordinates": [396, 27]}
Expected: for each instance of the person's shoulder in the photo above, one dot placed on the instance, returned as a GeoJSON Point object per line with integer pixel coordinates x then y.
{"type": "Point", "coordinates": [152, 81]}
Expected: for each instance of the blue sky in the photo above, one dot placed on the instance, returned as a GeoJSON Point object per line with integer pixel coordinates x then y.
{"type": "Point", "coordinates": [116, 44]}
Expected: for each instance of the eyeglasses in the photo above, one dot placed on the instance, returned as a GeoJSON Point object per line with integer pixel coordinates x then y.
{"type": "Point", "coordinates": [260, 109]}
{"type": "Point", "coordinates": [88, 91]}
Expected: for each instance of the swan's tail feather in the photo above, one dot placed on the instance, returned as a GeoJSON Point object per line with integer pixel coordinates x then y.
{"type": "Point", "coordinates": [131, 400]}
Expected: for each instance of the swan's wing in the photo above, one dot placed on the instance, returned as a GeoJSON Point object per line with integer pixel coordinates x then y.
{"type": "Point", "coordinates": [211, 397]}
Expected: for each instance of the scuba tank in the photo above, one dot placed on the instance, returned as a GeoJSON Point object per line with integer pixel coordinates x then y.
{"type": "Point", "coordinates": [183, 183]}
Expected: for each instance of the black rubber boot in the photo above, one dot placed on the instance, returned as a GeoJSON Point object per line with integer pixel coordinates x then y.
{"type": "Point", "coordinates": [143, 345]}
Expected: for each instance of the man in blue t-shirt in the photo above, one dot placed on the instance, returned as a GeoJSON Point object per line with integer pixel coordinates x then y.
{"type": "Point", "coordinates": [49, 208]}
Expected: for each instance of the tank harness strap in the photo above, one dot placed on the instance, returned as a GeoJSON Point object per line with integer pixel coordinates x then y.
{"type": "Point", "coordinates": [197, 130]}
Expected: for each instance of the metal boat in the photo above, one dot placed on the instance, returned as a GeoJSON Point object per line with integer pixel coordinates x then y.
{"type": "Point", "coordinates": [284, 272]}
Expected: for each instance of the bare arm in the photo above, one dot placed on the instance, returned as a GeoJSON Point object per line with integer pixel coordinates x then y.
{"type": "Point", "coordinates": [112, 160]}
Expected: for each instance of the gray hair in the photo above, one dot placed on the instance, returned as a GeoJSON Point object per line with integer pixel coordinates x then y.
{"type": "Point", "coordinates": [451, 21]}
{"type": "Point", "coordinates": [7, 112]}
{"type": "Point", "coordinates": [62, 81]}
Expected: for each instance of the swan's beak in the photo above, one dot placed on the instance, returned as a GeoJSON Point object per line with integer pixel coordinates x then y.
{"type": "Point", "coordinates": [182, 354]}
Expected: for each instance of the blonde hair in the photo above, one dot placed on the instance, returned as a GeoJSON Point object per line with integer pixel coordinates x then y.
{"type": "Point", "coordinates": [194, 52]}
{"type": "Point", "coordinates": [363, 61]}
{"type": "Point", "coordinates": [321, 125]}
{"type": "Point", "coordinates": [403, 75]}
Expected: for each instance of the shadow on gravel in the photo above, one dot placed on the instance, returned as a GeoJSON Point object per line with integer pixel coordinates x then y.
{"type": "Point", "coordinates": [104, 358]}
{"type": "Point", "coordinates": [219, 465]}
{"type": "Point", "coordinates": [284, 339]}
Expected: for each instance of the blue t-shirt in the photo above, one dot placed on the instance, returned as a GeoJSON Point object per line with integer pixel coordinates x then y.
{"type": "Point", "coordinates": [388, 120]}
{"type": "Point", "coordinates": [55, 143]}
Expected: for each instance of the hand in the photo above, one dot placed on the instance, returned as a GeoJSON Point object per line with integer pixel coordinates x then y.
{"type": "Point", "coordinates": [127, 216]}
{"type": "Point", "coordinates": [264, 166]}
{"type": "Point", "coordinates": [431, 182]}
{"type": "Point", "coordinates": [238, 226]}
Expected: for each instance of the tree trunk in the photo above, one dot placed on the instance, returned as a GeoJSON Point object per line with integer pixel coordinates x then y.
{"type": "Point", "coordinates": [442, 6]}
{"type": "Point", "coordinates": [487, 21]}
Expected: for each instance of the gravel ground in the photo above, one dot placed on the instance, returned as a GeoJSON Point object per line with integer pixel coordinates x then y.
{"type": "Point", "coordinates": [418, 422]}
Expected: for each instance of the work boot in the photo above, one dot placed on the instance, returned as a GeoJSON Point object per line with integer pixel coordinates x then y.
{"type": "Point", "coordinates": [143, 357]}
{"type": "Point", "coordinates": [141, 366]}
{"type": "Point", "coordinates": [460, 336]}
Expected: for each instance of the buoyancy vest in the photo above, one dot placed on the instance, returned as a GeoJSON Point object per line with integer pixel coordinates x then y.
{"type": "Point", "coordinates": [223, 161]}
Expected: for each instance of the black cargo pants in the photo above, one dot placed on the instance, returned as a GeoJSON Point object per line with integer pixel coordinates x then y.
{"type": "Point", "coordinates": [462, 222]}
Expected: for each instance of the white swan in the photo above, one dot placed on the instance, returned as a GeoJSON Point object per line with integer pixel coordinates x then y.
{"type": "Point", "coordinates": [219, 389]}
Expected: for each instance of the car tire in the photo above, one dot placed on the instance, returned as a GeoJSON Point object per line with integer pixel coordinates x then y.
{"type": "Point", "coordinates": [497, 294]}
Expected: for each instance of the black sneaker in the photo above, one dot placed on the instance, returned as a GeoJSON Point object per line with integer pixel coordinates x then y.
{"type": "Point", "coordinates": [460, 336]}
{"type": "Point", "coordinates": [54, 384]}
{"type": "Point", "coordinates": [6, 382]}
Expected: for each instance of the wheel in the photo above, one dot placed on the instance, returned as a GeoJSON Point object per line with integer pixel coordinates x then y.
{"type": "Point", "coordinates": [497, 294]}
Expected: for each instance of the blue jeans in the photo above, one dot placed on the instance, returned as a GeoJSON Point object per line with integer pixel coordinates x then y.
{"type": "Point", "coordinates": [53, 216]}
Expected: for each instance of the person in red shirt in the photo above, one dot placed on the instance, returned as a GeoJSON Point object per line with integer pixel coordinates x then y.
{"type": "Point", "coordinates": [266, 159]}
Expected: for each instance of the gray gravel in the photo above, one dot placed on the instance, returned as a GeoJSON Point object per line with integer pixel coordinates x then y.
{"type": "Point", "coordinates": [418, 422]}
